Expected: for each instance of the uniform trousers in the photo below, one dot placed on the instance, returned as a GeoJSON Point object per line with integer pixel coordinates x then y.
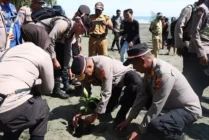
{"type": "Point", "coordinates": [61, 75]}
{"type": "Point", "coordinates": [132, 82]}
{"type": "Point", "coordinates": [97, 46]}
{"type": "Point", "coordinates": [195, 73]}
{"type": "Point", "coordinates": [32, 114]}
{"type": "Point", "coordinates": [170, 125]}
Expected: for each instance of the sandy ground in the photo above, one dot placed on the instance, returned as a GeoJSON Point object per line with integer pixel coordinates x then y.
{"type": "Point", "coordinates": [63, 110]}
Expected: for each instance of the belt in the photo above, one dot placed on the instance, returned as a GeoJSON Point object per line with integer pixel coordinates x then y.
{"type": "Point", "coordinates": [98, 36]}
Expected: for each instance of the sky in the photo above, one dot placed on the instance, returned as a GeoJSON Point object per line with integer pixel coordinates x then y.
{"type": "Point", "coordinates": [140, 7]}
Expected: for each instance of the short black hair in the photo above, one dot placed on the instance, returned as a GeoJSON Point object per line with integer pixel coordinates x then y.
{"type": "Point", "coordinates": [117, 11]}
{"type": "Point", "coordinates": [166, 19]}
{"type": "Point", "coordinates": [129, 10]}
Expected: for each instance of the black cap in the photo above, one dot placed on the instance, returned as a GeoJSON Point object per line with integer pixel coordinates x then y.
{"type": "Point", "coordinates": [40, 1]}
{"type": "Point", "coordinates": [136, 51]}
{"type": "Point", "coordinates": [84, 9]}
{"type": "Point", "coordinates": [78, 65]}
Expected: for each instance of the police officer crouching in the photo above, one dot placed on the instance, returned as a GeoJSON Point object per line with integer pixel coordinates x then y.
{"type": "Point", "coordinates": [170, 92]}
{"type": "Point", "coordinates": [111, 76]}
{"type": "Point", "coordinates": [25, 71]}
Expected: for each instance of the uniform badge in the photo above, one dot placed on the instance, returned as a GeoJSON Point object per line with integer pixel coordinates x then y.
{"type": "Point", "coordinates": [158, 83]}
{"type": "Point", "coordinates": [102, 75]}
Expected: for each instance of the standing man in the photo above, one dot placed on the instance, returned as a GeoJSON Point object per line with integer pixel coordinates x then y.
{"type": "Point", "coordinates": [98, 32]}
{"type": "Point", "coordinates": [62, 29]}
{"type": "Point", "coordinates": [10, 13]}
{"type": "Point", "coordinates": [156, 30]}
{"type": "Point", "coordinates": [131, 31]}
{"type": "Point", "coordinates": [20, 108]}
{"type": "Point", "coordinates": [25, 11]}
{"type": "Point", "coordinates": [193, 26]}
{"type": "Point", "coordinates": [116, 20]}
{"type": "Point", "coordinates": [170, 38]}
{"type": "Point", "coordinates": [169, 90]}
{"type": "Point", "coordinates": [112, 76]}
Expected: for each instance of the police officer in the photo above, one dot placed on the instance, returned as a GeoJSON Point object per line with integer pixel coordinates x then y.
{"type": "Point", "coordinates": [169, 91]}
{"type": "Point", "coordinates": [19, 108]}
{"type": "Point", "coordinates": [194, 44]}
{"type": "Point", "coordinates": [25, 11]}
{"type": "Point", "coordinates": [3, 33]}
{"type": "Point", "coordinates": [61, 31]}
{"type": "Point", "coordinates": [9, 12]}
{"type": "Point", "coordinates": [112, 76]}
{"type": "Point", "coordinates": [156, 30]}
{"type": "Point", "coordinates": [98, 32]}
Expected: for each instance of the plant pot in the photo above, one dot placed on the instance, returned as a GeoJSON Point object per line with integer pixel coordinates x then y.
{"type": "Point", "coordinates": [83, 129]}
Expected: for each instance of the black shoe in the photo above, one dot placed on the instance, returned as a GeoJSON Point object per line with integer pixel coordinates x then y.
{"type": "Point", "coordinates": [68, 88]}
{"type": "Point", "coordinates": [75, 82]}
{"type": "Point", "coordinates": [59, 93]}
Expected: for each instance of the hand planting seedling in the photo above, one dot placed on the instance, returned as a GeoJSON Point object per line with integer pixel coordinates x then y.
{"type": "Point", "coordinates": [89, 105]}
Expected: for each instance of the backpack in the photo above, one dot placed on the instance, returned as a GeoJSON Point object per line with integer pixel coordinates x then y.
{"type": "Point", "coordinates": [46, 12]}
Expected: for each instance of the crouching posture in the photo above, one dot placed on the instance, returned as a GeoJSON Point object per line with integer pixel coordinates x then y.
{"type": "Point", "coordinates": [25, 71]}
{"type": "Point", "coordinates": [112, 76]}
{"type": "Point", "coordinates": [169, 90]}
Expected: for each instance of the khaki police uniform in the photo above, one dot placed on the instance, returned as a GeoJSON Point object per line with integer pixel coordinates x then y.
{"type": "Point", "coordinates": [112, 76]}
{"type": "Point", "coordinates": [25, 15]}
{"type": "Point", "coordinates": [197, 32]}
{"type": "Point", "coordinates": [171, 92]}
{"type": "Point", "coordinates": [156, 28]}
{"type": "Point", "coordinates": [3, 33]}
{"type": "Point", "coordinates": [20, 109]}
{"type": "Point", "coordinates": [98, 33]}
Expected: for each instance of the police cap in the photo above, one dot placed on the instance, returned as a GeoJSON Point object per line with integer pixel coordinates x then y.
{"type": "Point", "coordinates": [136, 51]}
{"type": "Point", "coordinates": [79, 65]}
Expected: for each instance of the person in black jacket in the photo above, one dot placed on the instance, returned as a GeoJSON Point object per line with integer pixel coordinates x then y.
{"type": "Point", "coordinates": [170, 38]}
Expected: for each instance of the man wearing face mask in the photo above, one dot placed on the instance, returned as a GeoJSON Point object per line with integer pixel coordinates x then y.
{"type": "Point", "coordinates": [98, 32]}
{"type": "Point", "coordinates": [62, 31]}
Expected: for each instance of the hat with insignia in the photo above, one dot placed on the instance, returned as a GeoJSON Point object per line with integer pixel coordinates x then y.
{"type": "Point", "coordinates": [84, 9]}
{"type": "Point", "coordinates": [99, 6]}
{"type": "Point", "coordinates": [136, 51]}
{"type": "Point", "coordinates": [79, 65]}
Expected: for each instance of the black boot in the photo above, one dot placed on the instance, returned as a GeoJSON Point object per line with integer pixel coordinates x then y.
{"type": "Point", "coordinates": [68, 89]}
{"type": "Point", "coordinates": [57, 92]}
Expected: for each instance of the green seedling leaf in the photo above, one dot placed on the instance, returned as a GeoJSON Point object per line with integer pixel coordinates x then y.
{"type": "Point", "coordinates": [82, 108]}
{"type": "Point", "coordinates": [83, 99]}
{"type": "Point", "coordinates": [85, 93]}
{"type": "Point", "coordinates": [98, 97]}
{"type": "Point", "coordinates": [92, 101]}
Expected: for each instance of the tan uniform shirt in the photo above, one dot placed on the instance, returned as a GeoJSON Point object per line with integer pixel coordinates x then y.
{"type": "Point", "coordinates": [19, 68]}
{"type": "Point", "coordinates": [3, 32]}
{"type": "Point", "coordinates": [56, 33]}
{"type": "Point", "coordinates": [108, 74]}
{"type": "Point", "coordinates": [200, 40]}
{"type": "Point", "coordinates": [156, 27]}
{"type": "Point", "coordinates": [99, 29]}
{"type": "Point", "coordinates": [169, 89]}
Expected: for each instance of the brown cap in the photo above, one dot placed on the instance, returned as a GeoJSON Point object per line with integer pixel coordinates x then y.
{"type": "Point", "coordinates": [99, 6]}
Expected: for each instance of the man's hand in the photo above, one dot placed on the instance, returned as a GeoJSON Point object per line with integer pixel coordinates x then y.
{"type": "Point", "coordinates": [80, 46]}
{"type": "Point", "coordinates": [11, 37]}
{"type": "Point", "coordinates": [56, 63]}
{"type": "Point", "coordinates": [75, 120]}
{"type": "Point", "coordinates": [91, 118]}
{"type": "Point", "coordinates": [72, 76]}
{"type": "Point", "coordinates": [180, 51]}
{"type": "Point", "coordinates": [123, 125]}
{"type": "Point", "coordinates": [136, 135]}
{"type": "Point", "coordinates": [204, 60]}
{"type": "Point", "coordinates": [131, 44]}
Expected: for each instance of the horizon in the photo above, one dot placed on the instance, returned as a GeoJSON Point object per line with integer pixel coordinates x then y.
{"type": "Point", "coordinates": [140, 7]}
